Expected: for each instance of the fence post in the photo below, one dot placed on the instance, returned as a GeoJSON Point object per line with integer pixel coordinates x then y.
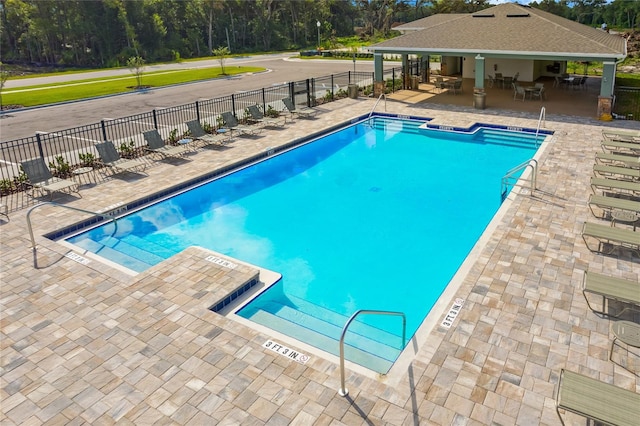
{"type": "Point", "coordinates": [308, 93]}
{"type": "Point", "coordinates": [40, 145]}
{"type": "Point", "coordinates": [332, 86]}
{"type": "Point", "coordinates": [292, 95]}
{"type": "Point", "coordinates": [198, 110]}
{"type": "Point", "coordinates": [349, 74]}
{"type": "Point", "coordinates": [155, 118]}
{"type": "Point", "coordinates": [393, 80]}
{"type": "Point", "coordinates": [264, 101]}
{"type": "Point", "coordinates": [233, 105]}
{"type": "Point", "coordinates": [104, 130]}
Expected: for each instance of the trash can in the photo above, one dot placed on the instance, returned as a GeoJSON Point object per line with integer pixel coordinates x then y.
{"type": "Point", "coordinates": [352, 91]}
{"type": "Point", "coordinates": [414, 82]}
{"type": "Point", "coordinates": [479, 97]}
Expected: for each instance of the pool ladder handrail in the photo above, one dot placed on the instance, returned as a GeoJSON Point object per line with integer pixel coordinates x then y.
{"type": "Point", "coordinates": [376, 104]}
{"type": "Point", "coordinates": [30, 227]}
{"type": "Point", "coordinates": [343, 390]}
{"type": "Point", "coordinates": [541, 119]}
{"type": "Point", "coordinates": [506, 179]}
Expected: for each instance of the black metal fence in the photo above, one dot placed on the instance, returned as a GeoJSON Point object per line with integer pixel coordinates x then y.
{"type": "Point", "coordinates": [74, 147]}
{"type": "Point", "coordinates": [627, 103]}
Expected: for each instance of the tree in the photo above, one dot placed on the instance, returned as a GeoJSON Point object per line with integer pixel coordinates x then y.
{"type": "Point", "coordinates": [136, 66]}
{"type": "Point", "coordinates": [4, 75]}
{"type": "Point", "coordinates": [222, 52]}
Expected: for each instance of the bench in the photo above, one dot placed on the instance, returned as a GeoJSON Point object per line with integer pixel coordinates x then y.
{"type": "Point", "coordinates": [596, 400]}
{"type": "Point", "coordinates": [609, 288]}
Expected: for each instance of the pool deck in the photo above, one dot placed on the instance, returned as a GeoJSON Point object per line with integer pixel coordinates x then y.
{"type": "Point", "coordinates": [83, 342]}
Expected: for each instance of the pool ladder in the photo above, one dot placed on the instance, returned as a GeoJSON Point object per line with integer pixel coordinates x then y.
{"type": "Point", "coordinates": [382, 95]}
{"type": "Point", "coordinates": [343, 390]}
{"type": "Point", "coordinates": [541, 121]}
{"type": "Point", "coordinates": [509, 180]}
{"type": "Point", "coordinates": [30, 227]}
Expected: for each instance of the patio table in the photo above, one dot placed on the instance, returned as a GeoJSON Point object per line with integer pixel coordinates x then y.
{"type": "Point", "coordinates": [530, 90]}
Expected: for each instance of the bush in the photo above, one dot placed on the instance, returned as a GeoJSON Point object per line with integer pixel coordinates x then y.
{"type": "Point", "coordinates": [88, 159]}
{"type": "Point", "coordinates": [60, 167]}
{"type": "Point", "coordinates": [127, 150]}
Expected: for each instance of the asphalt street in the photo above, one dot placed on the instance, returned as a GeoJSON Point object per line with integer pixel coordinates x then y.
{"type": "Point", "coordinates": [280, 68]}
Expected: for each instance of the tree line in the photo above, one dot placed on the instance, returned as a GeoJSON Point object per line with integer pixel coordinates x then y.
{"type": "Point", "coordinates": [106, 33]}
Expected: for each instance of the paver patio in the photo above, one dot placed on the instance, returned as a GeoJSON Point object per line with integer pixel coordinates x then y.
{"type": "Point", "coordinates": [88, 343]}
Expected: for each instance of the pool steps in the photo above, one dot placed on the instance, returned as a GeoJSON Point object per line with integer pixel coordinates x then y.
{"type": "Point", "coordinates": [140, 253]}
{"type": "Point", "coordinates": [321, 328]}
{"type": "Point", "coordinates": [484, 135]}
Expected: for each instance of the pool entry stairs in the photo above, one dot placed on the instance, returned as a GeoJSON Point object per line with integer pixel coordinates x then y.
{"type": "Point", "coordinates": [483, 135]}
{"type": "Point", "coordinates": [366, 345]}
{"type": "Point", "coordinates": [130, 251]}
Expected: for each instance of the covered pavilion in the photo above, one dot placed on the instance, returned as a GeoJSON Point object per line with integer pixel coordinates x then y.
{"type": "Point", "coordinates": [509, 39]}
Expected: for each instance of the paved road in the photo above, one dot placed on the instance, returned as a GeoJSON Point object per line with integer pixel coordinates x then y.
{"type": "Point", "coordinates": [281, 69]}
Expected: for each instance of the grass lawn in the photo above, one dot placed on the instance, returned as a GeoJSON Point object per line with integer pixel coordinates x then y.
{"type": "Point", "coordinates": [82, 89]}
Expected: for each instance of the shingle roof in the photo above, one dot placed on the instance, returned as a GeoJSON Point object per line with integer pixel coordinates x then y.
{"type": "Point", "coordinates": [506, 28]}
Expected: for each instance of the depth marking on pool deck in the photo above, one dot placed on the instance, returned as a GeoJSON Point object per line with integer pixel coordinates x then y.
{"type": "Point", "coordinates": [75, 256]}
{"type": "Point", "coordinates": [453, 313]}
{"type": "Point", "coordinates": [221, 262]}
{"type": "Point", "coordinates": [285, 351]}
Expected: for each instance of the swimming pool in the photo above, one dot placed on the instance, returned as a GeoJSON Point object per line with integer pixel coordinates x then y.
{"type": "Point", "coordinates": [378, 215]}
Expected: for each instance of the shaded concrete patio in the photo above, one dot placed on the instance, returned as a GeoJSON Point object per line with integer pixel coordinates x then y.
{"type": "Point", "coordinates": [558, 100]}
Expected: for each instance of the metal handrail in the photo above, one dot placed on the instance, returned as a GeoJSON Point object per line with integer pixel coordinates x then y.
{"type": "Point", "coordinates": [376, 104]}
{"type": "Point", "coordinates": [30, 228]}
{"type": "Point", "coordinates": [510, 173]}
{"type": "Point", "coordinates": [343, 391]}
{"type": "Point", "coordinates": [542, 119]}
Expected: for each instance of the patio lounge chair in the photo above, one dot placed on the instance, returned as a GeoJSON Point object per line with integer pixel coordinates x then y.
{"type": "Point", "coordinates": [40, 177]}
{"type": "Point", "coordinates": [625, 173]}
{"type": "Point", "coordinates": [110, 158]}
{"type": "Point", "coordinates": [619, 147]}
{"type": "Point", "coordinates": [232, 124]}
{"type": "Point", "coordinates": [156, 145]}
{"type": "Point", "coordinates": [612, 203]}
{"type": "Point", "coordinates": [609, 288]}
{"type": "Point", "coordinates": [613, 237]}
{"type": "Point", "coordinates": [199, 134]}
{"type": "Point", "coordinates": [612, 135]}
{"type": "Point", "coordinates": [596, 400]}
{"type": "Point", "coordinates": [304, 112]}
{"type": "Point", "coordinates": [618, 159]}
{"type": "Point", "coordinates": [614, 185]}
{"type": "Point", "coordinates": [258, 117]}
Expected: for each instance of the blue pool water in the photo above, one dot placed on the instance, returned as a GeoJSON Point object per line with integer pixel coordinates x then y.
{"type": "Point", "coordinates": [369, 217]}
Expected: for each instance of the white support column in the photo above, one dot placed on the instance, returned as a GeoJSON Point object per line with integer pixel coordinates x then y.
{"type": "Point", "coordinates": [479, 95]}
